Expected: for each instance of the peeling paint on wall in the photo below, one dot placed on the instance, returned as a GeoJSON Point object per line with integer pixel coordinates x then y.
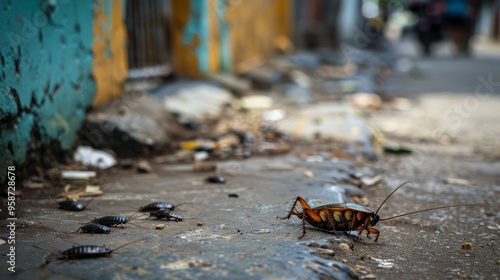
{"type": "Point", "coordinates": [219, 35]}
{"type": "Point", "coordinates": [45, 79]}
{"type": "Point", "coordinates": [198, 25]}
{"type": "Point", "coordinates": [110, 50]}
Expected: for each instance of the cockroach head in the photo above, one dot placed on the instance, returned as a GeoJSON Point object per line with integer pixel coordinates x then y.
{"type": "Point", "coordinates": [375, 219]}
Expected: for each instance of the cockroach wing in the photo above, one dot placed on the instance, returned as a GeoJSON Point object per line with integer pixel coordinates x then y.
{"type": "Point", "coordinates": [358, 207]}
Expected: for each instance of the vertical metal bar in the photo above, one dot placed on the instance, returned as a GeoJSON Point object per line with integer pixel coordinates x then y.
{"type": "Point", "coordinates": [157, 31]}
{"type": "Point", "coordinates": [150, 32]}
{"type": "Point", "coordinates": [148, 29]}
{"type": "Point", "coordinates": [132, 36]}
{"type": "Point", "coordinates": [145, 29]}
{"type": "Point", "coordinates": [140, 34]}
{"type": "Point", "coordinates": [167, 25]}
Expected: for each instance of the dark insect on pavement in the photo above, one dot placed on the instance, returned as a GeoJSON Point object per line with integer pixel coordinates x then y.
{"type": "Point", "coordinates": [166, 214]}
{"type": "Point", "coordinates": [157, 206]}
{"type": "Point", "coordinates": [347, 216]}
{"type": "Point", "coordinates": [113, 221]}
{"type": "Point", "coordinates": [216, 179]}
{"type": "Point", "coordinates": [89, 251]}
{"type": "Point", "coordinates": [72, 205]}
{"type": "Point", "coordinates": [94, 228]}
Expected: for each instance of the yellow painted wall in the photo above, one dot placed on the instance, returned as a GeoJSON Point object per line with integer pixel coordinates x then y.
{"type": "Point", "coordinates": [110, 50]}
{"type": "Point", "coordinates": [184, 55]}
{"type": "Point", "coordinates": [255, 28]}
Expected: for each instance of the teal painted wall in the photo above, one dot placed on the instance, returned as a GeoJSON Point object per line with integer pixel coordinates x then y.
{"type": "Point", "coordinates": [46, 83]}
{"type": "Point", "coordinates": [198, 25]}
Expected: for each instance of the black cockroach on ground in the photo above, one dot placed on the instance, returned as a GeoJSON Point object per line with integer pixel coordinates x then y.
{"type": "Point", "coordinates": [89, 251]}
{"type": "Point", "coordinates": [72, 205]}
{"type": "Point", "coordinates": [216, 179]}
{"type": "Point", "coordinates": [157, 206]}
{"type": "Point", "coordinates": [94, 228]}
{"type": "Point", "coordinates": [113, 221]}
{"type": "Point", "coordinates": [166, 214]}
{"type": "Point", "coordinates": [347, 216]}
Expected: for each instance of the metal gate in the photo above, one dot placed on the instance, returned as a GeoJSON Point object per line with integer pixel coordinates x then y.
{"type": "Point", "coordinates": [148, 29]}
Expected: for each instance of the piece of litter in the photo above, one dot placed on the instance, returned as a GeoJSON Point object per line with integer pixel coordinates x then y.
{"type": "Point", "coordinates": [457, 181]}
{"type": "Point", "coordinates": [80, 192]}
{"type": "Point", "coordinates": [273, 115]}
{"type": "Point", "coordinates": [92, 157]}
{"type": "Point", "coordinates": [256, 102]}
{"type": "Point", "coordinates": [389, 263]}
{"type": "Point", "coordinates": [368, 182]}
{"type": "Point", "coordinates": [369, 276]}
{"type": "Point", "coordinates": [77, 174]}
{"type": "Point", "coordinates": [201, 156]}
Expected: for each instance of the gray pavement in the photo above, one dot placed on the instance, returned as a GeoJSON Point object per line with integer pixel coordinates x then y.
{"type": "Point", "coordinates": [225, 237]}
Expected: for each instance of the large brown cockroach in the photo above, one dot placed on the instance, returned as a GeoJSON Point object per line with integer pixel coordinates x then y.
{"type": "Point", "coordinates": [346, 216]}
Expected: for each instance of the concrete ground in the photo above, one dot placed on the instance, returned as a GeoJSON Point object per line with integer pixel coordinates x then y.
{"type": "Point", "coordinates": [230, 230]}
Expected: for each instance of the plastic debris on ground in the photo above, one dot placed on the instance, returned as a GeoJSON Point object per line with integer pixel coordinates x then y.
{"type": "Point", "coordinates": [96, 158]}
{"type": "Point", "coordinates": [78, 174]}
{"type": "Point", "coordinates": [74, 194]}
{"type": "Point", "coordinates": [457, 181]}
{"type": "Point", "coordinates": [255, 102]}
{"type": "Point", "coordinates": [367, 101]}
{"type": "Point", "coordinates": [199, 101]}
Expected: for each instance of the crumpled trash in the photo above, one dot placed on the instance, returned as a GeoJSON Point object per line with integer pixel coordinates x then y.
{"type": "Point", "coordinates": [92, 157]}
{"type": "Point", "coordinates": [74, 194]}
{"type": "Point", "coordinates": [78, 174]}
{"type": "Point", "coordinates": [365, 100]}
{"type": "Point", "coordinates": [256, 102]}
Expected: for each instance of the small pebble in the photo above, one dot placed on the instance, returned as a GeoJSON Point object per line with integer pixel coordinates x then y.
{"type": "Point", "coordinates": [308, 174]}
{"type": "Point", "coordinates": [204, 166]}
{"type": "Point", "coordinates": [144, 167]}
{"type": "Point", "coordinates": [344, 260]}
{"type": "Point", "coordinates": [233, 195]}
{"type": "Point", "coordinates": [160, 226]}
{"type": "Point", "coordinates": [369, 276]}
{"type": "Point", "coordinates": [200, 224]}
{"type": "Point", "coordinates": [328, 252]}
{"type": "Point", "coordinates": [345, 247]}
